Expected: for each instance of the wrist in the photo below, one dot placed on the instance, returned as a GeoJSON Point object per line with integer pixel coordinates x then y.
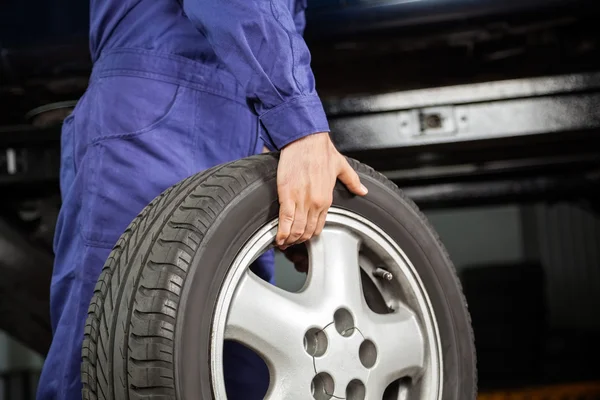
{"type": "Point", "coordinates": [313, 138]}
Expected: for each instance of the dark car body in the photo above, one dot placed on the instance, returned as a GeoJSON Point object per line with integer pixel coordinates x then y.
{"type": "Point", "coordinates": [34, 21]}
{"type": "Point", "coordinates": [329, 17]}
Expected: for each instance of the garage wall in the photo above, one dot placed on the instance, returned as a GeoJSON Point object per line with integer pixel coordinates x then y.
{"type": "Point", "coordinates": [15, 356]}
{"type": "Point", "coordinates": [3, 352]}
{"type": "Point", "coordinates": [479, 236]}
{"type": "Point", "coordinates": [566, 238]}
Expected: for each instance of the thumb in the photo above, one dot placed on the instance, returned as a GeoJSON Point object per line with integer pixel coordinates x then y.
{"type": "Point", "coordinates": [350, 178]}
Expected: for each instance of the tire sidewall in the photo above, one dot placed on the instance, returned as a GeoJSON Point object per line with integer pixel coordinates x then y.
{"type": "Point", "coordinates": [382, 206]}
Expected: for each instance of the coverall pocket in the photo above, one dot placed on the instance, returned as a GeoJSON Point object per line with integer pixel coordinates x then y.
{"type": "Point", "coordinates": [123, 176]}
{"type": "Point", "coordinates": [121, 106]}
{"type": "Point", "coordinates": [139, 145]}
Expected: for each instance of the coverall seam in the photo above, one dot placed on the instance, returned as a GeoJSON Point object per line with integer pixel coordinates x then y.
{"type": "Point", "coordinates": [95, 243]}
{"type": "Point", "coordinates": [76, 139]}
{"type": "Point", "coordinates": [87, 206]}
{"type": "Point", "coordinates": [300, 102]}
{"type": "Point", "coordinates": [62, 385]}
{"type": "Point", "coordinates": [309, 98]}
{"type": "Point", "coordinates": [256, 138]}
{"type": "Point", "coordinates": [265, 136]}
{"type": "Point", "coordinates": [166, 56]}
{"type": "Point", "coordinates": [291, 48]}
{"type": "Point", "coordinates": [98, 244]}
{"type": "Point", "coordinates": [70, 119]}
{"type": "Point", "coordinates": [172, 80]}
{"type": "Point", "coordinates": [203, 78]}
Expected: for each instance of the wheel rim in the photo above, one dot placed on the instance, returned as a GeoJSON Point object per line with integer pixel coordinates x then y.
{"type": "Point", "coordinates": [328, 340]}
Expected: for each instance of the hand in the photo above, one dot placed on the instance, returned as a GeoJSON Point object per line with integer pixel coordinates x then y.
{"type": "Point", "coordinates": [307, 172]}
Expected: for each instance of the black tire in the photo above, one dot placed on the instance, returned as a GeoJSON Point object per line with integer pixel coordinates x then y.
{"type": "Point", "coordinates": [141, 330]}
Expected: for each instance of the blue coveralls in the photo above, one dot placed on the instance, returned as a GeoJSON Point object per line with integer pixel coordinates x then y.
{"type": "Point", "coordinates": [177, 86]}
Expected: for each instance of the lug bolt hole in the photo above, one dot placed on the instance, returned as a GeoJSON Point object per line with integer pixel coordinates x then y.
{"type": "Point", "coordinates": [315, 342]}
{"type": "Point", "coordinates": [322, 386]}
{"type": "Point", "coordinates": [344, 323]}
{"type": "Point", "coordinates": [356, 390]}
{"type": "Point", "coordinates": [367, 353]}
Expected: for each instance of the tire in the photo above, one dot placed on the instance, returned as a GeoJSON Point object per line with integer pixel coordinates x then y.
{"type": "Point", "coordinates": [146, 325]}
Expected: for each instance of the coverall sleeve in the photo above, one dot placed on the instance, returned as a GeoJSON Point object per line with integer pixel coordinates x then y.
{"type": "Point", "coordinates": [260, 43]}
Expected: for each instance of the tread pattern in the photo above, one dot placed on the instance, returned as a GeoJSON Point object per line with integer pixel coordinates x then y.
{"type": "Point", "coordinates": [128, 345]}
{"type": "Point", "coordinates": [96, 370]}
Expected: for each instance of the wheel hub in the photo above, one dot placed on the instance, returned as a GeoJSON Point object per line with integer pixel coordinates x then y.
{"type": "Point", "coordinates": [342, 359]}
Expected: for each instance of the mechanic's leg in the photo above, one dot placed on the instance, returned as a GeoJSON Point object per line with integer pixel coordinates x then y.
{"type": "Point", "coordinates": [130, 139]}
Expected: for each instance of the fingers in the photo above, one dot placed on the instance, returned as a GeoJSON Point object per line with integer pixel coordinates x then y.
{"type": "Point", "coordinates": [311, 225]}
{"type": "Point", "coordinates": [305, 188]}
{"type": "Point", "coordinates": [298, 226]}
{"type": "Point", "coordinates": [350, 178]}
{"type": "Point", "coordinates": [321, 222]}
{"type": "Point", "coordinates": [302, 225]}
{"type": "Point", "coordinates": [287, 210]}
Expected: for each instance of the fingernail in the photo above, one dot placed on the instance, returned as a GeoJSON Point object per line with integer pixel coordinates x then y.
{"type": "Point", "coordinates": [364, 189]}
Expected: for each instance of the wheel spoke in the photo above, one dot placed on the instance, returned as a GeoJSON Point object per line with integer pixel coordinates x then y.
{"type": "Point", "coordinates": [376, 390]}
{"type": "Point", "coordinates": [402, 347]}
{"type": "Point", "coordinates": [334, 269]}
{"type": "Point", "coordinates": [268, 320]}
{"type": "Point", "coordinates": [291, 386]}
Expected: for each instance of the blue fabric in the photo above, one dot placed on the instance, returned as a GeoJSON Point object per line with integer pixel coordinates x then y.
{"type": "Point", "coordinates": [257, 44]}
{"type": "Point", "coordinates": [176, 88]}
{"type": "Point", "coordinates": [129, 138]}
